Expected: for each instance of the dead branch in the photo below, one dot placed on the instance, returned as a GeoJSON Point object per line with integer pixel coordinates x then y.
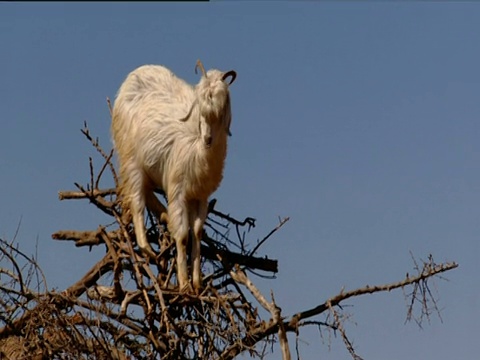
{"type": "Point", "coordinates": [73, 195]}
{"type": "Point", "coordinates": [127, 307]}
{"type": "Point", "coordinates": [430, 270]}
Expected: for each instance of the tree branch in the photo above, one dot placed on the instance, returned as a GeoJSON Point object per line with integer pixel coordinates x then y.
{"type": "Point", "coordinates": [336, 300]}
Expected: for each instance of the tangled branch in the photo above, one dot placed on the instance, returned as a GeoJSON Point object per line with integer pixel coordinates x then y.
{"type": "Point", "coordinates": [128, 307]}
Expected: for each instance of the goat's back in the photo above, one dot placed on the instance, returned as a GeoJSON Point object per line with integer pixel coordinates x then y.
{"type": "Point", "coordinates": [148, 90]}
{"type": "Point", "coordinates": [148, 133]}
{"type": "Point", "coordinates": [150, 96]}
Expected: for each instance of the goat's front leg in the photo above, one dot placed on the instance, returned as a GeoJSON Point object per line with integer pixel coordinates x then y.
{"type": "Point", "coordinates": [178, 226]}
{"type": "Point", "coordinates": [198, 216]}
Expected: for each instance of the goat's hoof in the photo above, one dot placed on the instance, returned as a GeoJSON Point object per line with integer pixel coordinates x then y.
{"type": "Point", "coordinates": [198, 291]}
{"type": "Point", "coordinates": [197, 287]}
{"type": "Point", "coordinates": [163, 219]}
{"type": "Point", "coordinates": [148, 253]}
{"type": "Point", "coordinates": [186, 288]}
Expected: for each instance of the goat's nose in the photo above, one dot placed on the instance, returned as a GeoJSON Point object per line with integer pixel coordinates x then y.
{"type": "Point", "coordinates": [208, 140]}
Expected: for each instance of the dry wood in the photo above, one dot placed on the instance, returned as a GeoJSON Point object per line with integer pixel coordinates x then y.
{"type": "Point", "coordinates": [126, 307]}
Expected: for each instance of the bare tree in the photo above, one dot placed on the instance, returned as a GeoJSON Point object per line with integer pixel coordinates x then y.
{"type": "Point", "coordinates": [129, 307]}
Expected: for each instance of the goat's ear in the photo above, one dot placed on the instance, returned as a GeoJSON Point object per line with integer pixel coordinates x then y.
{"type": "Point", "coordinates": [228, 121]}
{"type": "Point", "coordinates": [186, 117]}
{"type": "Point", "coordinates": [227, 117]}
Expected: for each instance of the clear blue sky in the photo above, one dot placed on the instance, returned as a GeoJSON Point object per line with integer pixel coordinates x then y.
{"type": "Point", "coordinates": [359, 120]}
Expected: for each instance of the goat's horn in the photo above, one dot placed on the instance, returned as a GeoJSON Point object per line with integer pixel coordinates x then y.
{"type": "Point", "coordinates": [200, 65]}
{"type": "Point", "coordinates": [231, 73]}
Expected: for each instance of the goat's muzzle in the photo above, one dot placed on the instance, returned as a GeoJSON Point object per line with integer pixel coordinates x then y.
{"type": "Point", "coordinates": [231, 73]}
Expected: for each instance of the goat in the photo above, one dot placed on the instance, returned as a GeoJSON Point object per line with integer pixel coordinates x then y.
{"type": "Point", "coordinates": [172, 136]}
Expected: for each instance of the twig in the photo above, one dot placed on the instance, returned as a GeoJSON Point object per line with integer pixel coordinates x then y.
{"type": "Point", "coordinates": [69, 195]}
{"type": "Point", "coordinates": [339, 327]}
{"type": "Point", "coordinates": [239, 276]}
{"type": "Point", "coordinates": [282, 222]}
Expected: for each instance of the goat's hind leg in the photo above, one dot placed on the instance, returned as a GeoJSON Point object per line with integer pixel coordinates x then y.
{"type": "Point", "coordinates": [136, 201]}
{"type": "Point", "coordinates": [197, 220]}
{"type": "Point", "coordinates": [178, 227]}
{"type": "Point", "coordinates": [158, 209]}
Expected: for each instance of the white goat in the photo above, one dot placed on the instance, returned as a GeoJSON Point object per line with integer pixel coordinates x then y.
{"type": "Point", "coordinates": [172, 136]}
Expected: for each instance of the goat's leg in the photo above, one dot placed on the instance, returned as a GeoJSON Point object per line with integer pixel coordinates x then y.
{"type": "Point", "coordinates": [160, 212]}
{"type": "Point", "coordinates": [137, 208]}
{"type": "Point", "coordinates": [154, 205]}
{"type": "Point", "coordinates": [197, 226]}
{"type": "Point", "coordinates": [178, 226]}
{"type": "Point", "coordinates": [135, 191]}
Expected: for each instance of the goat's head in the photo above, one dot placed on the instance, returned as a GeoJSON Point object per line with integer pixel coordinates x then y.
{"type": "Point", "coordinates": [213, 100]}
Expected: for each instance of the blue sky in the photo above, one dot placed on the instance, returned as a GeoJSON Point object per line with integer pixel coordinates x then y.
{"type": "Point", "coordinates": [358, 120]}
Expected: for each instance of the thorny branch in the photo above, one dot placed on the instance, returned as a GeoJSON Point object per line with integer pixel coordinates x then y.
{"type": "Point", "coordinates": [125, 307]}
